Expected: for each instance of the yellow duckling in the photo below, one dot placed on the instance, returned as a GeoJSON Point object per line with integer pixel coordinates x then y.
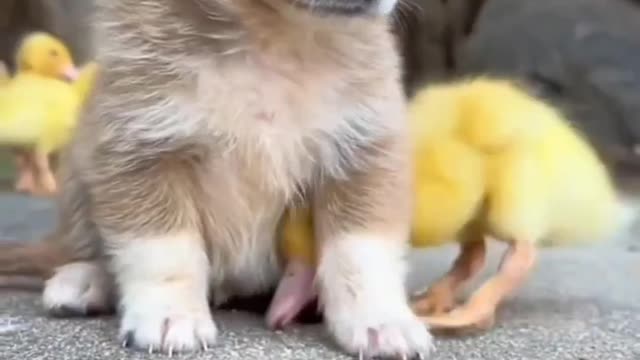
{"type": "Point", "coordinates": [43, 54]}
{"type": "Point", "coordinates": [490, 160]}
{"type": "Point", "coordinates": [40, 113]}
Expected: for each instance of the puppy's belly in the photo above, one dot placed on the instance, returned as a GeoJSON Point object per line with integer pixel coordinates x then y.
{"type": "Point", "coordinates": [253, 268]}
{"type": "Point", "coordinates": [255, 278]}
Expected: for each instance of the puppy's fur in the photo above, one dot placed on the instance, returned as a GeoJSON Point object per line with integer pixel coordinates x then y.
{"type": "Point", "coordinates": [209, 118]}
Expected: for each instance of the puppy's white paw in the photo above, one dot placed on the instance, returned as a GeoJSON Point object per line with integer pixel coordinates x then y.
{"type": "Point", "coordinates": [171, 330]}
{"type": "Point", "coordinates": [80, 288]}
{"type": "Point", "coordinates": [366, 308]}
{"type": "Point", "coordinates": [163, 287]}
{"type": "Point", "coordinates": [384, 334]}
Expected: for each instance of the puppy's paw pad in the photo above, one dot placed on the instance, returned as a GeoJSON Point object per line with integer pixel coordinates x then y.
{"type": "Point", "coordinates": [169, 334]}
{"type": "Point", "coordinates": [403, 338]}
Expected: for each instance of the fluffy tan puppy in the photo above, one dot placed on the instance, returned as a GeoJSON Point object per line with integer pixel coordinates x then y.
{"type": "Point", "coordinates": [210, 117]}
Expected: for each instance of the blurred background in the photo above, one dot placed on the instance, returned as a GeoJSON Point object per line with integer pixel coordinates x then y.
{"type": "Point", "coordinates": [583, 55]}
{"type": "Point", "coordinates": [69, 20]}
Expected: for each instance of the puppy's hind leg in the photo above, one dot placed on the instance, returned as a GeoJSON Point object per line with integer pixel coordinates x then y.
{"type": "Point", "coordinates": [157, 256]}
{"type": "Point", "coordinates": [78, 289]}
{"type": "Point", "coordinates": [79, 283]}
{"type": "Point", "coordinates": [363, 227]}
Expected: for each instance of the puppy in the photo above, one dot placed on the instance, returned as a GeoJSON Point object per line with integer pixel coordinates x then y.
{"type": "Point", "coordinates": [209, 118]}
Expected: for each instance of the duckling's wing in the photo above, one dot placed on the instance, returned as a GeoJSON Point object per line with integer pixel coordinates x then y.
{"type": "Point", "coordinates": [84, 84]}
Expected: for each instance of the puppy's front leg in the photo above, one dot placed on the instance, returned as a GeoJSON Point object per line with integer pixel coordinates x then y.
{"type": "Point", "coordinates": [363, 225]}
{"type": "Point", "coordinates": [148, 218]}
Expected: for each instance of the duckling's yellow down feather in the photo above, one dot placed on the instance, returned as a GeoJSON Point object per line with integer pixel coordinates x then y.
{"type": "Point", "coordinates": [41, 112]}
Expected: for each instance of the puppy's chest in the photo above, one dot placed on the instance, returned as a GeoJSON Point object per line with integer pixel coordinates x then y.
{"type": "Point", "coordinates": [281, 122]}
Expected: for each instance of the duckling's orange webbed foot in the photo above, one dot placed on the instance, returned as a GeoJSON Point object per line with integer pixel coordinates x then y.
{"type": "Point", "coordinates": [25, 182]}
{"type": "Point", "coordinates": [35, 176]}
{"type": "Point", "coordinates": [439, 299]}
{"type": "Point", "coordinates": [49, 185]}
{"type": "Point", "coordinates": [441, 296]}
{"type": "Point", "coordinates": [478, 313]}
{"type": "Point", "coordinates": [41, 191]}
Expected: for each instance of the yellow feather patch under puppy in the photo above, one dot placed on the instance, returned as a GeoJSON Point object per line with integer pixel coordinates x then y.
{"type": "Point", "coordinates": [490, 159]}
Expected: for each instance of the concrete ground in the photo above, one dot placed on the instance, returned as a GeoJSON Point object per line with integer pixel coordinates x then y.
{"type": "Point", "coordinates": [581, 304]}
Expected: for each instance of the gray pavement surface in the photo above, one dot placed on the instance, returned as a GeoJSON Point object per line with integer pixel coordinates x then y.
{"type": "Point", "coordinates": [581, 304]}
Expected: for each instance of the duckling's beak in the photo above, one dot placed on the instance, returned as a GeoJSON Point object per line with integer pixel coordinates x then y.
{"type": "Point", "coordinates": [70, 73]}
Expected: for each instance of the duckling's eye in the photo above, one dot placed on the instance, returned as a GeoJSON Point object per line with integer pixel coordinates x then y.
{"type": "Point", "coordinates": [53, 52]}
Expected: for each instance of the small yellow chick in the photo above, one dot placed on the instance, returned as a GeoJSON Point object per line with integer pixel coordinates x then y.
{"type": "Point", "coordinates": [42, 54]}
{"type": "Point", "coordinates": [490, 160]}
{"type": "Point", "coordinates": [40, 114]}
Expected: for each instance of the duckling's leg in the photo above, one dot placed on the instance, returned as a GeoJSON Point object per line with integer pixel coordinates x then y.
{"type": "Point", "coordinates": [26, 179]}
{"type": "Point", "coordinates": [441, 296]}
{"type": "Point", "coordinates": [45, 175]}
{"type": "Point", "coordinates": [479, 310]}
